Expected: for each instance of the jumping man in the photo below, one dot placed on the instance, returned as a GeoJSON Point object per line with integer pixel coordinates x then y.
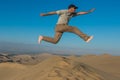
{"type": "Point", "coordinates": [62, 24]}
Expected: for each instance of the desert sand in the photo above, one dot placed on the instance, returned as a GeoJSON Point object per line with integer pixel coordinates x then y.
{"type": "Point", "coordinates": [55, 67]}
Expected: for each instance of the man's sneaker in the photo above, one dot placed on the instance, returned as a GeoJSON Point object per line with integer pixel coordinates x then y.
{"type": "Point", "coordinates": [40, 39]}
{"type": "Point", "coordinates": [89, 39]}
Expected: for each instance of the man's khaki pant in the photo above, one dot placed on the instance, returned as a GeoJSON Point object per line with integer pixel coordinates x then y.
{"type": "Point", "coordinates": [60, 29]}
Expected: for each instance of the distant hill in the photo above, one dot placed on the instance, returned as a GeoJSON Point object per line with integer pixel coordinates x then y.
{"type": "Point", "coordinates": [16, 48]}
{"type": "Point", "coordinates": [21, 48]}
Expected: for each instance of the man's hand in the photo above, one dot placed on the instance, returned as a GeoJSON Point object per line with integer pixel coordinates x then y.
{"type": "Point", "coordinates": [42, 14]}
{"type": "Point", "coordinates": [91, 10]}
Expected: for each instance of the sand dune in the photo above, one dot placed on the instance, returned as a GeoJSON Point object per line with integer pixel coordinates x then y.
{"type": "Point", "coordinates": [59, 68]}
{"type": "Point", "coordinates": [9, 70]}
{"type": "Point", "coordinates": [106, 63]}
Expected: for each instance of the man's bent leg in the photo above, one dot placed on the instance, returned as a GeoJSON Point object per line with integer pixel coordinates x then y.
{"type": "Point", "coordinates": [78, 32]}
{"type": "Point", "coordinates": [53, 40]}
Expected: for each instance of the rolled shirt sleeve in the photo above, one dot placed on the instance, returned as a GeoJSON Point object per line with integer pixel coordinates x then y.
{"type": "Point", "coordinates": [60, 12]}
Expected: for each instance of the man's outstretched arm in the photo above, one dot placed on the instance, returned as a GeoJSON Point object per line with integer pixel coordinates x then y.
{"type": "Point", "coordinates": [80, 13]}
{"type": "Point", "coordinates": [47, 14]}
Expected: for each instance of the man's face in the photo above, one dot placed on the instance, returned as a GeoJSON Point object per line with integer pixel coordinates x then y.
{"type": "Point", "coordinates": [72, 10]}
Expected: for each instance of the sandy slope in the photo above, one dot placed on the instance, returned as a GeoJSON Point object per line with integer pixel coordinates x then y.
{"type": "Point", "coordinates": [9, 70]}
{"type": "Point", "coordinates": [105, 63]}
{"type": "Point", "coordinates": [59, 68]}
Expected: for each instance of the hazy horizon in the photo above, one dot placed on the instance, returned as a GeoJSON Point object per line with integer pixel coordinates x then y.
{"type": "Point", "coordinates": [21, 48]}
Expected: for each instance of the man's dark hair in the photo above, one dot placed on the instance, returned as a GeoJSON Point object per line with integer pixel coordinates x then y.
{"type": "Point", "coordinates": [72, 6]}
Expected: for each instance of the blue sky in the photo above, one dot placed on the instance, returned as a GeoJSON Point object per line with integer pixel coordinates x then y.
{"type": "Point", "coordinates": [20, 22]}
